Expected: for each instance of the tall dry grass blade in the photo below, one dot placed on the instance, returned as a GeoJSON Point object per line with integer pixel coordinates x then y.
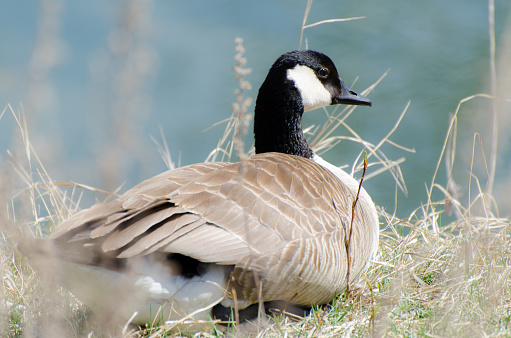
{"type": "Point", "coordinates": [450, 131]}
{"type": "Point", "coordinates": [304, 21]}
{"type": "Point", "coordinates": [60, 206]}
{"type": "Point", "coordinates": [349, 259]}
{"type": "Point", "coordinates": [493, 92]}
{"type": "Point", "coordinates": [393, 129]}
{"type": "Point", "coordinates": [7, 107]}
{"type": "Point", "coordinates": [305, 26]}
{"type": "Point", "coordinates": [164, 150]}
{"type": "Point", "coordinates": [482, 192]}
{"type": "Point", "coordinates": [332, 20]}
{"type": "Point", "coordinates": [452, 195]}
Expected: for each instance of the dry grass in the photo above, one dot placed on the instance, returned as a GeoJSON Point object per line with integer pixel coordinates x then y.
{"type": "Point", "coordinates": [435, 275]}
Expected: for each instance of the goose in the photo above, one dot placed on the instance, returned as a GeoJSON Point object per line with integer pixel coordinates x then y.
{"type": "Point", "coordinates": [206, 239]}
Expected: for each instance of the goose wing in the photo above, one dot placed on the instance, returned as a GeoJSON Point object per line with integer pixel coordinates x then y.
{"type": "Point", "coordinates": [280, 215]}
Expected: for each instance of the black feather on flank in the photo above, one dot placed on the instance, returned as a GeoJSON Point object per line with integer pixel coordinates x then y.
{"type": "Point", "coordinates": [189, 267]}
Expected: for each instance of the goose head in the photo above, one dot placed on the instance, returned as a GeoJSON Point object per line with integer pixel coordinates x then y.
{"type": "Point", "coordinates": [298, 82]}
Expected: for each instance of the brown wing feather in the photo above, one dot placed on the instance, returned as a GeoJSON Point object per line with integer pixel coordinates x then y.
{"type": "Point", "coordinates": [272, 214]}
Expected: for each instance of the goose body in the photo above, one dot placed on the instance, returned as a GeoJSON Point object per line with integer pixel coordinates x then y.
{"type": "Point", "coordinates": [269, 228]}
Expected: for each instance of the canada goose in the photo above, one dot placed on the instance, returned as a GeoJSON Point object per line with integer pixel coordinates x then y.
{"type": "Point", "coordinates": [268, 228]}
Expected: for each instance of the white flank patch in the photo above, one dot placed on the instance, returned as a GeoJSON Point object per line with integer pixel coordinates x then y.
{"type": "Point", "coordinates": [149, 289]}
{"type": "Point", "coordinates": [178, 296]}
{"type": "Point", "coordinates": [314, 94]}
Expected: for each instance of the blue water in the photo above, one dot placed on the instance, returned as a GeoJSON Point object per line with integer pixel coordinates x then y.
{"type": "Point", "coordinates": [437, 52]}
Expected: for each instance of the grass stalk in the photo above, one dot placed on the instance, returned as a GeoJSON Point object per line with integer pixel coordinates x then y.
{"type": "Point", "coordinates": [349, 258]}
{"type": "Point", "coordinates": [493, 92]}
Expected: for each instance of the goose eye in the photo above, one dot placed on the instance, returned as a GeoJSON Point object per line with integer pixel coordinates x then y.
{"type": "Point", "coordinates": [323, 72]}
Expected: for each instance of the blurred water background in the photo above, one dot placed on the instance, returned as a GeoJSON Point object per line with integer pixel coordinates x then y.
{"type": "Point", "coordinates": [96, 79]}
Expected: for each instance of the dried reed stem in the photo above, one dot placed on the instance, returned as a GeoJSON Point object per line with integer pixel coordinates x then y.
{"type": "Point", "coordinates": [348, 240]}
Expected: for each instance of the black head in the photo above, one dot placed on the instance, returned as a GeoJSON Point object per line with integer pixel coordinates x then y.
{"type": "Point", "coordinates": [297, 82]}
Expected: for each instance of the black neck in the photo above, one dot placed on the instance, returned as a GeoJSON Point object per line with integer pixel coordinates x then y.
{"type": "Point", "coordinates": [278, 120]}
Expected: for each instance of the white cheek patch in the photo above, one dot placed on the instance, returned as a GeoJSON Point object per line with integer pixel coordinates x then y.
{"type": "Point", "coordinates": [314, 94]}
